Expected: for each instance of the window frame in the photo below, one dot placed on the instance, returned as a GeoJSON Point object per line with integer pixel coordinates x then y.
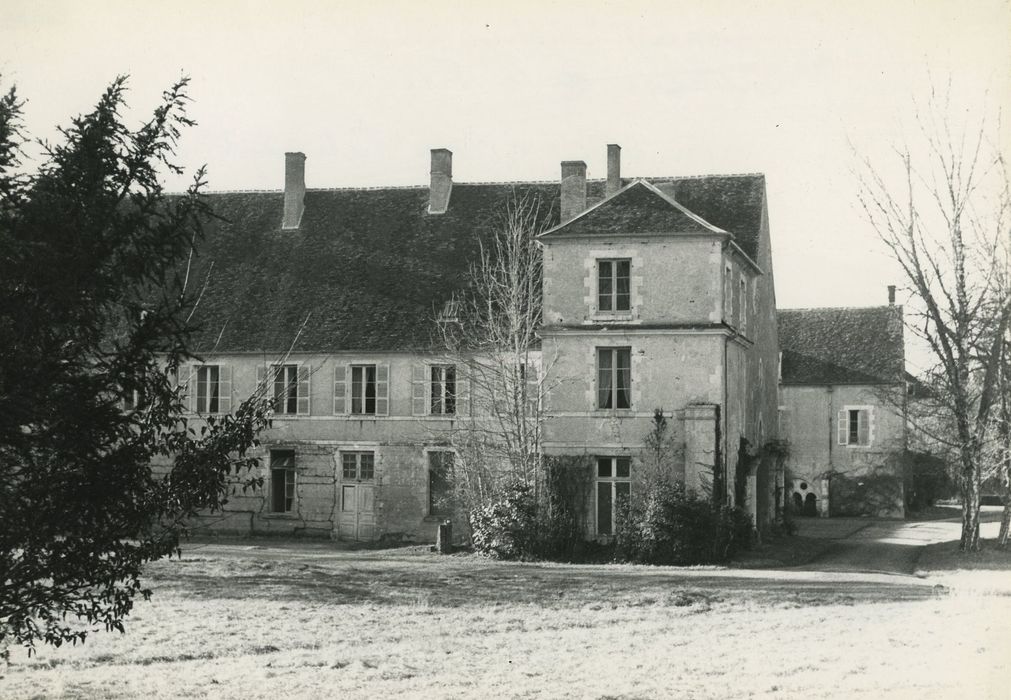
{"type": "Point", "coordinates": [203, 403]}
{"type": "Point", "coordinates": [358, 476]}
{"type": "Point", "coordinates": [863, 425]}
{"type": "Point", "coordinates": [363, 369]}
{"type": "Point", "coordinates": [290, 388]}
{"type": "Point", "coordinates": [283, 462]}
{"type": "Point", "coordinates": [432, 510]}
{"type": "Point", "coordinates": [445, 402]}
{"type": "Point", "coordinates": [614, 370]}
{"type": "Point", "coordinates": [611, 482]}
{"type": "Point", "coordinates": [613, 279]}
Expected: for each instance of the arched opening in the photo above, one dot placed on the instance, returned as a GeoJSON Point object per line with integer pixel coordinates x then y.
{"type": "Point", "coordinates": [798, 502]}
{"type": "Point", "coordinates": [811, 505]}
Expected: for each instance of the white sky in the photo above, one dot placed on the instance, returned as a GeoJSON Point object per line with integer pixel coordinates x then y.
{"type": "Point", "coordinates": [365, 89]}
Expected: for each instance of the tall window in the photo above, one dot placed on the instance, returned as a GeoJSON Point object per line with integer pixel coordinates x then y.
{"type": "Point", "coordinates": [440, 484]}
{"type": "Point", "coordinates": [613, 288]}
{"type": "Point", "coordinates": [614, 488]}
{"type": "Point", "coordinates": [363, 389]}
{"type": "Point", "coordinates": [614, 378]}
{"type": "Point", "coordinates": [855, 426]}
{"type": "Point", "coordinates": [282, 481]}
{"type": "Point", "coordinates": [208, 389]}
{"type": "Point", "coordinates": [286, 389]}
{"type": "Point", "coordinates": [743, 306]}
{"type": "Point", "coordinates": [358, 466]}
{"type": "Point", "coordinates": [443, 390]}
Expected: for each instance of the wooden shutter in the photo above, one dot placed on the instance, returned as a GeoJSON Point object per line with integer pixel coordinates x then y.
{"type": "Point", "coordinates": [340, 389]}
{"type": "Point", "coordinates": [302, 403]}
{"type": "Point", "coordinates": [864, 427]}
{"type": "Point", "coordinates": [191, 387]}
{"type": "Point", "coordinates": [462, 390]}
{"type": "Point", "coordinates": [532, 387]}
{"type": "Point", "coordinates": [843, 427]}
{"type": "Point", "coordinates": [419, 390]}
{"type": "Point", "coordinates": [382, 390]}
{"type": "Point", "coordinates": [224, 388]}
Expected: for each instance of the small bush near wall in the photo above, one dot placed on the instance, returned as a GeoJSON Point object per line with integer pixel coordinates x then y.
{"type": "Point", "coordinates": [505, 527]}
{"type": "Point", "coordinates": [672, 525]}
{"type": "Point", "coordinates": [542, 521]}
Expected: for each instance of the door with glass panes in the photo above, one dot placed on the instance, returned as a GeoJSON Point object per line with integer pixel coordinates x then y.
{"type": "Point", "coordinates": [357, 518]}
{"type": "Point", "coordinates": [614, 486]}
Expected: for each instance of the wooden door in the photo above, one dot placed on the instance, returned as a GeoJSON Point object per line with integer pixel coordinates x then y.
{"type": "Point", "coordinates": [357, 507]}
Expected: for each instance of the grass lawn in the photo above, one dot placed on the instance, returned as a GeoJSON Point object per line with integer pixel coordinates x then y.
{"type": "Point", "coordinates": [270, 621]}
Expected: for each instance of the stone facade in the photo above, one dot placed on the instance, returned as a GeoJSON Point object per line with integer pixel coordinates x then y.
{"type": "Point", "coordinates": [842, 410]}
{"type": "Point", "coordinates": [371, 269]}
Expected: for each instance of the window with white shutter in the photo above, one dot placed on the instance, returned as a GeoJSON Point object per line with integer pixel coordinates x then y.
{"type": "Point", "coordinates": [854, 426]}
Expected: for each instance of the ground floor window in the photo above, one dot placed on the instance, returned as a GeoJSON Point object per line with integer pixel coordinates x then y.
{"type": "Point", "coordinates": [614, 488]}
{"type": "Point", "coordinates": [440, 485]}
{"type": "Point", "coordinates": [282, 481]}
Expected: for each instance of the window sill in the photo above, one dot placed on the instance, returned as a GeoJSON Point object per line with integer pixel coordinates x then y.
{"type": "Point", "coordinates": [611, 318]}
{"type": "Point", "coordinates": [280, 516]}
{"type": "Point", "coordinates": [613, 413]}
{"type": "Point", "coordinates": [435, 518]}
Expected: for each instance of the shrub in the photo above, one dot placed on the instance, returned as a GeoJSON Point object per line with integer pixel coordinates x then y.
{"type": "Point", "coordinates": [672, 525]}
{"type": "Point", "coordinates": [505, 527]}
{"type": "Point", "coordinates": [516, 524]}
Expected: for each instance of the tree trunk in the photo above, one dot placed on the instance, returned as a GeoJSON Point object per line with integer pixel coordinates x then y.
{"type": "Point", "coordinates": [1005, 523]}
{"type": "Point", "coordinates": [970, 515]}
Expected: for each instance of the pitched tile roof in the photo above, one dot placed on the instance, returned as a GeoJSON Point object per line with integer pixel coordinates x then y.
{"type": "Point", "coordinates": [370, 267]}
{"type": "Point", "coordinates": [637, 208]}
{"type": "Point", "coordinates": [842, 345]}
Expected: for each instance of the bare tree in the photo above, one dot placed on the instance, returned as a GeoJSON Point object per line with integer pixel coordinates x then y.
{"type": "Point", "coordinates": [944, 217]}
{"type": "Point", "coordinates": [490, 331]}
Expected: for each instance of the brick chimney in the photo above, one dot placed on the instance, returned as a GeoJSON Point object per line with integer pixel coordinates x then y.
{"type": "Point", "coordinates": [573, 188]}
{"type": "Point", "coordinates": [891, 295]}
{"type": "Point", "coordinates": [294, 190]}
{"type": "Point", "coordinates": [613, 169]}
{"type": "Point", "coordinates": [442, 181]}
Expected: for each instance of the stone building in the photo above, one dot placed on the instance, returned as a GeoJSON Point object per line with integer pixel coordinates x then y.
{"type": "Point", "coordinates": [842, 409]}
{"type": "Point", "coordinates": [658, 294]}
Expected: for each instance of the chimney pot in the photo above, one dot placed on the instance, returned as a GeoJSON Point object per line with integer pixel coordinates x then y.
{"type": "Point", "coordinates": [891, 294]}
{"type": "Point", "coordinates": [613, 169]}
{"type": "Point", "coordinates": [294, 190]}
{"type": "Point", "coordinates": [441, 181]}
{"type": "Point", "coordinates": [573, 196]}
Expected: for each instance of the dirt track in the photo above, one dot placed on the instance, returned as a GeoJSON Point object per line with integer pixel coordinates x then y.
{"type": "Point", "coordinates": [864, 545]}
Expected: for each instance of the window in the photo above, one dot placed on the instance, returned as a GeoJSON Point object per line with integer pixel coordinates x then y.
{"type": "Point", "coordinates": [358, 466]}
{"type": "Point", "coordinates": [286, 389]}
{"type": "Point", "coordinates": [443, 390]}
{"type": "Point", "coordinates": [728, 294]}
{"type": "Point", "coordinates": [282, 481]}
{"type": "Point", "coordinates": [208, 389]}
{"type": "Point", "coordinates": [614, 378]}
{"type": "Point", "coordinates": [363, 389]}
{"type": "Point", "coordinates": [855, 426]}
{"type": "Point", "coordinates": [613, 285]}
{"type": "Point", "coordinates": [131, 401]}
{"type": "Point", "coordinates": [743, 306]}
{"type": "Point", "coordinates": [614, 487]}
{"type": "Point", "coordinates": [440, 484]}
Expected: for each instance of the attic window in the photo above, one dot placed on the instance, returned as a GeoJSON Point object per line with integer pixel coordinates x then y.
{"type": "Point", "coordinates": [450, 312]}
